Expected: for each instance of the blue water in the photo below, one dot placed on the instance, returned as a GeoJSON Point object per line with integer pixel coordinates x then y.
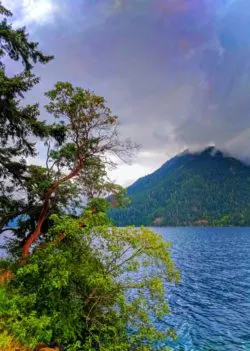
{"type": "Point", "coordinates": [211, 305]}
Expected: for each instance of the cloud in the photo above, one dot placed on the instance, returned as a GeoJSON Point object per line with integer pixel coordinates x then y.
{"type": "Point", "coordinates": [176, 72]}
{"type": "Point", "coordinates": [38, 12]}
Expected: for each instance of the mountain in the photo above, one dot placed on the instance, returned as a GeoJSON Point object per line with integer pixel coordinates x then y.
{"type": "Point", "coordinates": [205, 188]}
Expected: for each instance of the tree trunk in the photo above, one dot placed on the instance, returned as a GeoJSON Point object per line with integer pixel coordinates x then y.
{"type": "Point", "coordinates": [44, 212]}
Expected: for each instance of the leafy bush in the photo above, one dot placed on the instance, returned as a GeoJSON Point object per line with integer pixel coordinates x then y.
{"type": "Point", "coordinates": [101, 288]}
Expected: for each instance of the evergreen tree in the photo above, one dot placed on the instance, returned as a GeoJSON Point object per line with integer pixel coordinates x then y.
{"type": "Point", "coordinates": [18, 123]}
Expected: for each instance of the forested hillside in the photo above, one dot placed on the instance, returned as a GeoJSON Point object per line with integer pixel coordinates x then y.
{"type": "Point", "coordinates": [206, 188]}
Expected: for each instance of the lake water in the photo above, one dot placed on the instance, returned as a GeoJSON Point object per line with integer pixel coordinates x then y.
{"type": "Point", "coordinates": [211, 305]}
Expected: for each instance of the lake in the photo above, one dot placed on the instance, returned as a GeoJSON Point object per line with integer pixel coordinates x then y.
{"type": "Point", "coordinates": [211, 305]}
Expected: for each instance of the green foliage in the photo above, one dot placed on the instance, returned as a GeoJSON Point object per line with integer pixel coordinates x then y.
{"type": "Point", "coordinates": [102, 288]}
{"type": "Point", "coordinates": [19, 123]}
{"type": "Point", "coordinates": [80, 282]}
{"type": "Point", "coordinates": [191, 189]}
{"type": "Point", "coordinates": [79, 148]}
{"type": "Point", "coordinates": [16, 121]}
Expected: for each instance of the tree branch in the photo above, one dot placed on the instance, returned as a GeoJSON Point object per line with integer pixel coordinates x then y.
{"type": "Point", "coordinates": [44, 212]}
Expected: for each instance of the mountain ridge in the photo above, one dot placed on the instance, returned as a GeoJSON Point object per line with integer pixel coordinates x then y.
{"type": "Point", "coordinates": [208, 187]}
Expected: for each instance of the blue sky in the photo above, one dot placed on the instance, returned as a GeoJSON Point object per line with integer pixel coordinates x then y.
{"type": "Point", "coordinates": [176, 72]}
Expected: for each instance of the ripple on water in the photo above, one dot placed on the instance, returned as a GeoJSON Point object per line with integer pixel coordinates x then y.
{"type": "Point", "coordinates": [211, 305]}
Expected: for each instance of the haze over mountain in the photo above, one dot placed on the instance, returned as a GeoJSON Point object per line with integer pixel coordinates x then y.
{"type": "Point", "coordinates": [192, 188]}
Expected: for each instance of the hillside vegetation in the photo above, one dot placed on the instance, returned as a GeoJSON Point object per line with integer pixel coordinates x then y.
{"type": "Point", "coordinates": [206, 188]}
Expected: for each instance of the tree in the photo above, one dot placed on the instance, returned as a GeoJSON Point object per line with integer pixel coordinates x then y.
{"type": "Point", "coordinates": [75, 287]}
{"type": "Point", "coordinates": [70, 278]}
{"type": "Point", "coordinates": [101, 288]}
{"type": "Point", "coordinates": [18, 123]}
{"type": "Point", "coordinates": [90, 139]}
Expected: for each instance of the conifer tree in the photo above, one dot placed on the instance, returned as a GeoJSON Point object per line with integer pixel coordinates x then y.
{"type": "Point", "coordinates": [19, 123]}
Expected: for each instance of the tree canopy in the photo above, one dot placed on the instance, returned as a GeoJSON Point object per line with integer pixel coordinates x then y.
{"type": "Point", "coordinates": [19, 123]}
{"type": "Point", "coordinates": [101, 288]}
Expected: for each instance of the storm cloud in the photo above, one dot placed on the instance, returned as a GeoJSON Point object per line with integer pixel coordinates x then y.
{"type": "Point", "coordinates": [176, 72]}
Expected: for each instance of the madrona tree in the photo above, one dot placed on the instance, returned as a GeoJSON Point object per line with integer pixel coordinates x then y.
{"type": "Point", "coordinates": [82, 283]}
{"type": "Point", "coordinates": [76, 167]}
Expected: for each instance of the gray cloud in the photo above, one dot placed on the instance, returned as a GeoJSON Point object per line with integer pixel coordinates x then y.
{"type": "Point", "coordinates": [177, 75]}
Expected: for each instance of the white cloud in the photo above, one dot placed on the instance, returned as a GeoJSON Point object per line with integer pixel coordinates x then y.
{"type": "Point", "coordinates": [127, 174]}
{"type": "Point", "coordinates": [36, 12]}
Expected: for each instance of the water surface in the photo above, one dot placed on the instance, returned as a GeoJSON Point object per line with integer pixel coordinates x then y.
{"type": "Point", "coordinates": [211, 305]}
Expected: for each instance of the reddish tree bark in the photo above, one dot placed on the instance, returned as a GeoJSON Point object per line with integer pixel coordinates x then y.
{"type": "Point", "coordinates": [45, 209]}
{"type": "Point", "coordinates": [5, 275]}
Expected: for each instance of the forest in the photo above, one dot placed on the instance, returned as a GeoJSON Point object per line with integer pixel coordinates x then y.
{"type": "Point", "coordinates": [193, 189]}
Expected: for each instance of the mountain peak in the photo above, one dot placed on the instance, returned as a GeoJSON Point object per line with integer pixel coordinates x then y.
{"type": "Point", "coordinates": [192, 188]}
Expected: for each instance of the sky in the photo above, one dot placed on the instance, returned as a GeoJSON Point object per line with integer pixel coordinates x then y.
{"type": "Point", "coordinates": [176, 72]}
